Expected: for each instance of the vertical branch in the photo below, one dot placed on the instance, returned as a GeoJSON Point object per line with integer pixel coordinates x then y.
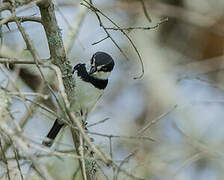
{"type": "Point", "coordinates": [55, 44]}
{"type": "Point", "coordinates": [1, 35]}
{"type": "Point", "coordinates": [111, 155]}
{"type": "Point", "coordinates": [58, 56]}
{"type": "Point", "coordinates": [81, 149]}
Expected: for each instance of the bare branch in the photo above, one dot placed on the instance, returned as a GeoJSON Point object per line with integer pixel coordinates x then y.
{"type": "Point", "coordinates": [140, 28]}
{"type": "Point", "coordinates": [19, 142]}
{"type": "Point", "coordinates": [122, 137]}
{"type": "Point", "coordinates": [81, 150]}
{"type": "Point", "coordinates": [101, 40]}
{"type": "Point", "coordinates": [20, 61]}
{"type": "Point", "coordinates": [23, 19]}
{"type": "Point", "coordinates": [96, 11]}
{"type": "Point", "coordinates": [148, 125]}
{"type": "Point", "coordinates": [74, 29]}
{"type": "Point", "coordinates": [145, 11]}
{"type": "Point", "coordinates": [105, 30]}
{"type": "Point", "coordinates": [56, 46]}
{"type": "Point", "coordinates": [99, 122]}
{"type": "Point", "coordinates": [17, 161]}
{"type": "Point", "coordinates": [4, 159]}
{"type": "Point", "coordinates": [27, 6]}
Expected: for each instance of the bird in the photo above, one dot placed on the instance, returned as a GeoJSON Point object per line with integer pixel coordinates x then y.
{"type": "Point", "coordinates": [91, 79]}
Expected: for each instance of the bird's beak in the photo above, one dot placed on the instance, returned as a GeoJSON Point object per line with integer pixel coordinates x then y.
{"type": "Point", "coordinates": [92, 70]}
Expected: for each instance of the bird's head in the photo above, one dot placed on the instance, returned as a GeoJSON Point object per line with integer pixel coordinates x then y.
{"type": "Point", "coordinates": [101, 65]}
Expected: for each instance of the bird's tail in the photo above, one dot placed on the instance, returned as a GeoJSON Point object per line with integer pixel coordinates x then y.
{"type": "Point", "coordinates": [48, 141]}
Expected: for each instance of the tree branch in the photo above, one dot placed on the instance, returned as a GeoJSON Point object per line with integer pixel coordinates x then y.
{"type": "Point", "coordinates": [58, 56]}
{"type": "Point", "coordinates": [55, 44]}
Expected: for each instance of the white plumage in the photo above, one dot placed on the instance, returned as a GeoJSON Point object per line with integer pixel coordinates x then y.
{"type": "Point", "coordinates": [86, 96]}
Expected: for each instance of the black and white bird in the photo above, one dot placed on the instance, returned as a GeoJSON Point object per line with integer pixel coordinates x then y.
{"type": "Point", "coordinates": [91, 80]}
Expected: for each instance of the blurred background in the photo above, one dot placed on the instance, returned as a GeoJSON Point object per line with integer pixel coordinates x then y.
{"type": "Point", "coordinates": [178, 102]}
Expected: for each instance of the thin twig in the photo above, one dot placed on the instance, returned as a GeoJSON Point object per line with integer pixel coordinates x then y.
{"type": "Point", "coordinates": [32, 107]}
{"type": "Point", "coordinates": [4, 159]}
{"type": "Point", "coordinates": [147, 126]}
{"type": "Point", "coordinates": [100, 40]}
{"type": "Point", "coordinates": [97, 123]}
{"type": "Point", "coordinates": [111, 155]}
{"type": "Point", "coordinates": [16, 88]}
{"type": "Point", "coordinates": [69, 154]}
{"type": "Point", "coordinates": [96, 11]}
{"type": "Point", "coordinates": [20, 61]}
{"type": "Point", "coordinates": [34, 53]}
{"type": "Point", "coordinates": [104, 158]}
{"type": "Point", "coordinates": [145, 11]}
{"type": "Point", "coordinates": [127, 173]}
{"type": "Point", "coordinates": [101, 170]}
{"type": "Point", "coordinates": [45, 97]}
{"type": "Point", "coordinates": [23, 8]}
{"type": "Point", "coordinates": [75, 28]}
{"type": "Point", "coordinates": [17, 161]}
{"type": "Point", "coordinates": [36, 103]}
{"type": "Point", "coordinates": [105, 30]}
{"type": "Point", "coordinates": [75, 173]}
{"type": "Point", "coordinates": [24, 146]}
{"type": "Point", "coordinates": [125, 160]}
{"type": "Point", "coordinates": [124, 137]}
{"type": "Point", "coordinates": [23, 19]}
{"type": "Point", "coordinates": [31, 48]}
{"type": "Point", "coordinates": [197, 156]}
{"type": "Point", "coordinates": [140, 28]}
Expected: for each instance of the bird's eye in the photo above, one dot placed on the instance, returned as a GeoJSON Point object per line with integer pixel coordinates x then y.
{"type": "Point", "coordinates": [104, 68]}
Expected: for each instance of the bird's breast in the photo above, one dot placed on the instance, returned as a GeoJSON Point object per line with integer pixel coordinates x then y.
{"type": "Point", "coordinates": [86, 96]}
